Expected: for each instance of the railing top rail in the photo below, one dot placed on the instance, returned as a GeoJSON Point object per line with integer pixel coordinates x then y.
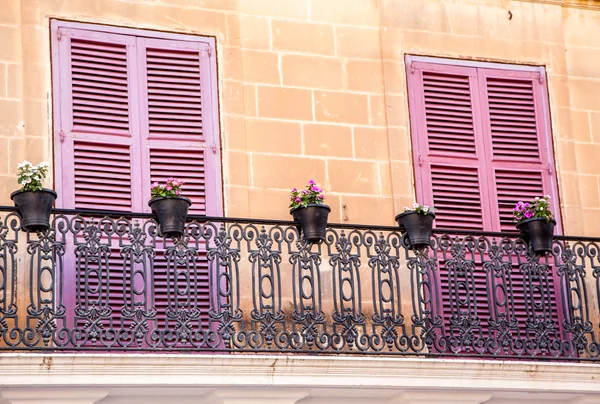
{"type": "Point", "coordinates": [274, 222]}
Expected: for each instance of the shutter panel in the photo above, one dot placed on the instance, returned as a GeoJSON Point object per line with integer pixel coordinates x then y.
{"type": "Point", "coordinates": [102, 176]}
{"type": "Point", "coordinates": [517, 141]}
{"type": "Point", "coordinates": [100, 86]}
{"type": "Point", "coordinates": [177, 88]}
{"type": "Point", "coordinates": [95, 148]}
{"type": "Point", "coordinates": [457, 195]}
{"type": "Point", "coordinates": [186, 165]}
{"type": "Point", "coordinates": [95, 151]}
{"type": "Point", "coordinates": [448, 113]}
{"type": "Point", "coordinates": [477, 158]}
{"type": "Point", "coordinates": [447, 144]}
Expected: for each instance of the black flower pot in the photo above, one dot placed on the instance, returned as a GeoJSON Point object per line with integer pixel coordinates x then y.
{"type": "Point", "coordinates": [538, 232]}
{"type": "Point", "coordinates": [312, 221]}
{"type": "Point", "coordinates": [35, 208]}
{"type": "Point", "coordinates": [418, 226]}
{"type": "Point", "coordinates": [171, 214]}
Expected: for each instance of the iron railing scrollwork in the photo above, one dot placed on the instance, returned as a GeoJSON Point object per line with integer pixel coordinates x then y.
{"type": "Point", "coordinates": [101, 281]}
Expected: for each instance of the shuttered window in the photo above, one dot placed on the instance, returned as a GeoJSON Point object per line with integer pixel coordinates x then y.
{"type": "Point", "coordinates": [131, 108]}
{"type": "Point", "coordinates": [481, 143]}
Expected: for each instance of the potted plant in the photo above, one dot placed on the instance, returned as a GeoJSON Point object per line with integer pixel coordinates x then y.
{"type": "Point", "coordinates": [418, 223]}
{"type": "Point", "coordinates": [33, 201]}
{"type": "Point", "coordinates": [309, 211]}
{"type": "Point", "coordinates": [536, 223]}
{"type": "Point", "coordinates": [170, 207]}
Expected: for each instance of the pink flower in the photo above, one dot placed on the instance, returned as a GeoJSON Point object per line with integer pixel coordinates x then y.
{"type": "Point", "coordinates": [298, 200]}
{"type": "Point", "coordinates": [168, 187]}
{"type": "Point", "coordinates": [175, 183]}
{"type": "Point", "coordinates": [177, 192]}
{"type": "Point", "coordinates": [155, 184]}
{"type": "Point", "coordinates": [294, 190]}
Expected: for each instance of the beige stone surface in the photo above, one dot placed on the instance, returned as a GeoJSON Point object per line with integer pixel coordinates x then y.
{"type": "Point", "coordinates": [311, 88]}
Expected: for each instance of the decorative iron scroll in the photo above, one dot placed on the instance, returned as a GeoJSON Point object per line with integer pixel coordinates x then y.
{"type": "Point", "coordinates": [99, 282]}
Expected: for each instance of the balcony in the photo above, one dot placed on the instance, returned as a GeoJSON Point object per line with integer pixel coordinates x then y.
{"type": "Point", "coordinates": [104, 281]}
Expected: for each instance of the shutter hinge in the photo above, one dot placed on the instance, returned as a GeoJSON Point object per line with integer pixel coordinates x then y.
{"type": "Point", "coordinates": [541, 78]}
{"type": "Point", "coordinates": [61, 135]}
{"type": "Point", "coordinates": [209, 51]}
{"type": "Point", "coordinates": [550, 169]}
{"type": "Point", "coordinates": [59, 34]}
{"type": "Point", "coordinates": [214, 148]}
{"type": "Point", "coordinates": [411, 66]}
{"type": "Point", "coordinates": [420, 160]}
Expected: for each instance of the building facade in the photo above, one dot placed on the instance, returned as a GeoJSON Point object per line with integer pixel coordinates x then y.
{"type": "Point", "coordinates": [467, 105]}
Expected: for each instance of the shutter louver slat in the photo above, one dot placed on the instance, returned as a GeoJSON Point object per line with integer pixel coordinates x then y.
{"type": "Point", "coordinates": [513, 122]}
{"type": "Point", "coordinates": [512, 187]}
{"type": "Point", "coordinates": [448, 111]}
{"type": "Point", "coordinates": [102, 176]}
{"type": "Point", "coordinates": [99, 75]}
{"type": "Point", "coordinates": [457, 197]}
{"type": "Point", "coordinates": [186, 165]}
{"type": "Point", "coordinates": [174, 94]}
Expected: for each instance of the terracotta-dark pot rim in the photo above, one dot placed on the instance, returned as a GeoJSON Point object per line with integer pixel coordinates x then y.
{"type": "Point", "coordinates": [410, 212]}
{"type": "Point", "coordinates": [51, 191]}
{"type": "Point", "coordinates": [535, 219]}
{"type": "Point", "coordinates": [317, 205]}
{"type": "Point", "coordinates": [160, 198]}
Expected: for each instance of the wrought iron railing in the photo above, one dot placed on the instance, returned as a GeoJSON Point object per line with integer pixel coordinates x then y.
{"type": "Point", "coordinates": [102, 281]}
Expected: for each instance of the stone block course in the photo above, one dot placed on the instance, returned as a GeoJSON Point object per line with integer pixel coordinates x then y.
{"type": "Point", "coordinates": [303, 37]}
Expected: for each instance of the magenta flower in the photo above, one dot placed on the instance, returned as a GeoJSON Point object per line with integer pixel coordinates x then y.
{"type": "Point", "coordinates": [316, 189]}
{"type": "Point", "coordinates": [311, 182]}
{"type": "Point", "coordinates": [298, 200]}
{"type": "Point", "coordinates": [528, 214]}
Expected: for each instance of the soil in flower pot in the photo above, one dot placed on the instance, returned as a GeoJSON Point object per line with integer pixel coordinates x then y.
{"type": "Point", "coordinates": [171, 214]}
{"type": "Point", "coordinates": [312, 221]}
{"type": "Point", "coordinates": [539, 232]}
{"type": "Point", "coordinates": [35, 208]}
{"type": "Point", "coordinates": [418, 226]}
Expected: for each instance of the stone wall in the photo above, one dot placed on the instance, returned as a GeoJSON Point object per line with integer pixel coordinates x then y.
{"type": "Point", "coordinates": [316, 89]}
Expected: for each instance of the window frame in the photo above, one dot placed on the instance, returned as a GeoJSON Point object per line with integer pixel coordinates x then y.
{"type": "Point", "coordinates": [546, 144]}
{"type": "Point", "coordinates": [212, 116]}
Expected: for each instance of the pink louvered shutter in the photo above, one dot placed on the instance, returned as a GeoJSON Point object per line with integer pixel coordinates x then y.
{"type": "Point", "coordinates": [518, 144]}
{"type": "Point", "coordinates": [96, 148]}
{"type": "Point", "coordinates": [520, 162]}
{"type": "Point", "coordinates": [481, 143]}
{"type": "Point", "coordinates": [181, 141]}
{"type": "Point", "coordinates": [447, 144]}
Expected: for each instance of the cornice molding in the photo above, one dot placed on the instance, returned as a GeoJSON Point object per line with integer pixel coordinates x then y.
{"type": "Point", "coordinates": [95, 370]}
{"type": "Point", "coordinates": [584, 4]}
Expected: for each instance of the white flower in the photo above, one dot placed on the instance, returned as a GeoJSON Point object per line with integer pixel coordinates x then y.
{"type": "Point", "coordinates": [426, 209]}
{"type": "Point", "coordinates": [537, 198]}
{"type": "Point", "coordinates": [415, 205]}
{"type": "Point", "coordinates": [27, 181]}
{"type": "Point", "coordinates": [43, 164]}
{"type": "Point", "coordinates": [406, 208]}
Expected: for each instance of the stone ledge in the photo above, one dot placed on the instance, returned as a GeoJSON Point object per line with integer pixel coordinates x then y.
{"type": "Point", "coordinates": [203, 370]}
